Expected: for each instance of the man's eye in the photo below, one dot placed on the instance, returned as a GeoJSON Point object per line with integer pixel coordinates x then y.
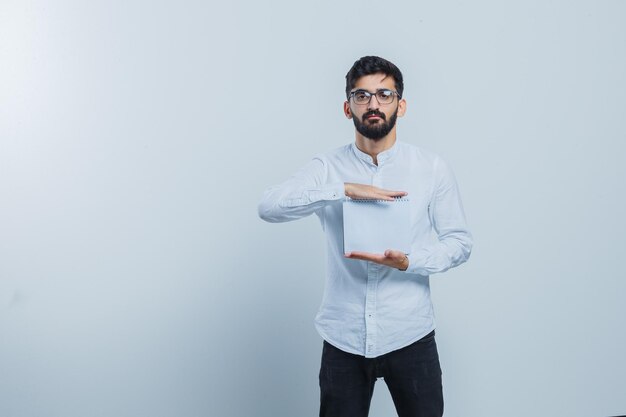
{"type": "Point", "coordinates": [384, 93]}
{"type": "Point", "coordinates": [361, 95]}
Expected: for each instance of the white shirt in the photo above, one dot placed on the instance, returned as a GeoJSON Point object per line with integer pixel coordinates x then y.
{"type": "Point", "coordinates": [370, 309]}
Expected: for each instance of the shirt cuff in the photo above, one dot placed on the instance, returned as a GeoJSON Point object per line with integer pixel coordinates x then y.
{"type": "Point", "coordinates": [329, 192]}
{"type": "Point", "coordinates": [417, 262]}
{"type": "Point", "coordinates": [332, 191]}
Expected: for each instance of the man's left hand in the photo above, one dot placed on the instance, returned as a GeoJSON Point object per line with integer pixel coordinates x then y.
{"type": "Point", "coordinates": [392, 258]}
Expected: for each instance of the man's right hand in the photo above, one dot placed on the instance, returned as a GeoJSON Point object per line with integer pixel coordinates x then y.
{"type": "Point", "coordinates": [369, 192]}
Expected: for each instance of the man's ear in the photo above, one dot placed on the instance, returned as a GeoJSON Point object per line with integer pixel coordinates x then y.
{"type": "Point", "coordinates": [401, 107]}
{"type": "Point", "coordinates": [346, 109]}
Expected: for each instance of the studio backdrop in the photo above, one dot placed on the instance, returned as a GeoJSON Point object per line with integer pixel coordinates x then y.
{"type": "Point", "coordinates": [136, 140]}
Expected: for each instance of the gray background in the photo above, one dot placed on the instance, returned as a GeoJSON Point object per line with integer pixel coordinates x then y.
{"type": "Point", "coordinates": [136, 139]}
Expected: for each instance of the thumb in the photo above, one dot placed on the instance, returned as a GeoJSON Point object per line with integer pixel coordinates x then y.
{"type": "Point", "coordinates": [394, 254]}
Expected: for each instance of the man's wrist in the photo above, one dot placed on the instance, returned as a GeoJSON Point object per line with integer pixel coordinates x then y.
{"type": "Point", "coordinates": [405, 263]}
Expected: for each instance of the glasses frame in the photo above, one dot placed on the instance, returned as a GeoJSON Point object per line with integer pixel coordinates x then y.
{"type": "Point", "coordinates": [370, 95]}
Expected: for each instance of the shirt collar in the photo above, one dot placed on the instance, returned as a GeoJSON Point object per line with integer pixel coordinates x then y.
{"type": "Point", "coordinates": [382, 157]}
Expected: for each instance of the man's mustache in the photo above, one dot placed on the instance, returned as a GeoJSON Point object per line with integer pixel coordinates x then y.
{"type": "Point", "coordinates": [374, 113]}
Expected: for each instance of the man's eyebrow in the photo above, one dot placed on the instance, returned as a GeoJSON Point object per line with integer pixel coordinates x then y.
{"type": "Point", "coordinates": [367, 91]}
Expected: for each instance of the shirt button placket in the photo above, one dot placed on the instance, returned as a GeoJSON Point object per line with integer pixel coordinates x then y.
{"type": "Point", "coordinates": [376, 177]}
{"type": "Point", "coordinates": [370, 308]}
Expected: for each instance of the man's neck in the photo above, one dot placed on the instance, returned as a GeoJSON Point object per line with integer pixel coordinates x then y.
{"type": "Point", "coordinates": [374, 147]}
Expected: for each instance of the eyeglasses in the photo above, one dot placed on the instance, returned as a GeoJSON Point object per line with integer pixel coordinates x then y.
{"type": "Point", "coordinates": [384, 96]}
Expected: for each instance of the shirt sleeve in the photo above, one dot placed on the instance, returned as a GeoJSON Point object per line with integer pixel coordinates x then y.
{"type": "Point", "coordinates": [454, 243]}
{"type": "Point", "coordinates": [301, 195]}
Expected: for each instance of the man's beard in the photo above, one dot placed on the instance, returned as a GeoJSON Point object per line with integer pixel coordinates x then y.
{"type": "Point", "coordinates": [375, 131]}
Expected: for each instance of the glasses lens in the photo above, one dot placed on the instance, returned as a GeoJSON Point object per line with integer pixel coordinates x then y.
{"type": "Point", "coordinates": [361, 97]}
{"type": "Point", "coordinates": [384, 96]}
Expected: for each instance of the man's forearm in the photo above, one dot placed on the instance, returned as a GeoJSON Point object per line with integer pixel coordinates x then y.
{"type": "Point", "coordinates": [282, 204]}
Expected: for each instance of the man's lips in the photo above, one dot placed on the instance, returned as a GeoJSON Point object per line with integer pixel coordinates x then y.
{"type": "Point", "coordinates": [373, 116]}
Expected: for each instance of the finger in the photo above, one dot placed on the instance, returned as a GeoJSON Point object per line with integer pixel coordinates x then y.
{"type": "Point", "coordinates": [372, 195]}
{"type": "Point", "coordinates": [384, 197]}
{"type": "Point", "coordinates": [357, 255]}
{"type": "Point", "coordinates": [392, 195]}
{"type": "Point", "coordinates": [396, 193]}
{"type": "Point", "coordinates": [365, 256]}
{"type": "Point", "coordinates": [388, 195]}
{"type": "Point", "coordinates": [361, 253]}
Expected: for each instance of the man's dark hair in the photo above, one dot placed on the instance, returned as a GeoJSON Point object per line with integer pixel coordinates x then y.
{"type": "Point", "coordinates": [369, 65]}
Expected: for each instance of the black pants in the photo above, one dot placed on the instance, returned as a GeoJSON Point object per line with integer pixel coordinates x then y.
{"type": "Point", "coordinates": [412, 374]}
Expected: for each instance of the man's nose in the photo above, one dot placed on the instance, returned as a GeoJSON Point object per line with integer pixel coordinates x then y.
{"type": "Point", "coordinates": [373, 104]}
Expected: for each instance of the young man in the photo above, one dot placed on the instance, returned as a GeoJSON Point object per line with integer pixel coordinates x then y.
{"type": "Point", "coordinates": [376, 317]}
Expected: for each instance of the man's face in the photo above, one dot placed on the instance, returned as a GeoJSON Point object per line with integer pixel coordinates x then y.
{"type": "Point", "coordinates": [374, 120]}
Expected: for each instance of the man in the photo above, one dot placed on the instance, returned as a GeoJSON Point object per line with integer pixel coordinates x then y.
{"type": "Point", "coordinates": [376, 317]}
